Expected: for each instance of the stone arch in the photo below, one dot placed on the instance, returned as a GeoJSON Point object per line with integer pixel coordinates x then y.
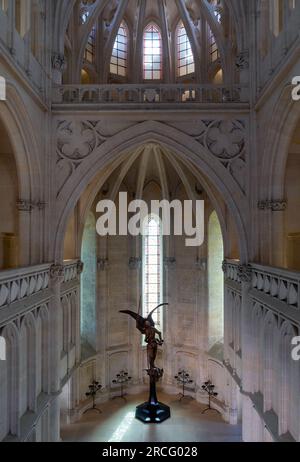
{"type": "Point", "coordinates": [182, 145]}
{"type": "Point", "coordinates": [288, 395]}
{"type": "Point", "coordinates": [10, 399]}
{"type": "Point", "coordinates": [286, 115]}
{"type": "Point", "coordinates": [29, 332]}
{"type": "Point", "coordinates": [257, 342]}
{"type": "Point", "coordinates": [269, 332]}
{"type": "Point", "coordinates": [19, 128]}
{"type": "Point", "coordinates": [65, 314]}
{"type": "Point", "coordinates": [43, 316]}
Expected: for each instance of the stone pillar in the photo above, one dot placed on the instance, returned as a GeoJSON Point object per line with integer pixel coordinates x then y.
{"type": "Point", "coordinates": [54, 427]}
{"type": "Point", "coordinates": [56, 279]}
{"type": "Point", "coordinates": [101, 328]}
{"type": "Point", "coordinates": [169, 318]}
{"type": "Point", "coordinates": [135, 359]}
{"type": "Point", "coordinates": [245, 273]}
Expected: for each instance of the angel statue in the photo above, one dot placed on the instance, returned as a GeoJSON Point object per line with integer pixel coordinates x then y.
{"type": "Point", "coordinates": [152, 411]}
{"type": "Point", "coordinates": [147, 327]}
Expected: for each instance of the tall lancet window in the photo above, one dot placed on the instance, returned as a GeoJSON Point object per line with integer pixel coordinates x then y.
{"type": "Point", "coordinates": [152, 53]}
{"type": "Point", "coordinates": [185, 59]}
{"type": "Point", "coordinates": [152, 268]}
{"type": "Point", "coordinates": [118, 62]}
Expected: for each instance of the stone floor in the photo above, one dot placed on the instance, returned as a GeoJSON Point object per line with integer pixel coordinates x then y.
{"type": "Point", "coordinates": [117, 424]}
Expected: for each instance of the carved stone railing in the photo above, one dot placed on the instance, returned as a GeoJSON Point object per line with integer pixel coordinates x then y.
{"type": "Point", "coordinates": [148, 94]}
{"type": "Point", "coordinates": [72, 269]}
{"type": "Point", "coordinates": [231, 269]}
{"type": "Point", "coordinates": [278, 283]}
{"type": "Point", "coordinates": [19, 284]}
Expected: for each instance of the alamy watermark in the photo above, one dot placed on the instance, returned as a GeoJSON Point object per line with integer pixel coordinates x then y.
{"type": "Point", "coordinates": [296, 89]}
{"type": "Point", "coordinates": [2, 349]}
{"type": "Point", "coordinates": [185, 217]}
{"type": "Point", "coordinates": [2, 88]}
{"type": "Point", "coordinates": [296, 349]}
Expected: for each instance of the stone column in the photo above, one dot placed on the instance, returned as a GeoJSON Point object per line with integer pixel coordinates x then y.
{"type": "Point", "coordinates": [169, 318]}
{"type": "Point", "coordinates": [245, 274]}
{"type": "Point", "coordinates": [135, 355]}
{"type": "Point", "coordinates": [56, 279]}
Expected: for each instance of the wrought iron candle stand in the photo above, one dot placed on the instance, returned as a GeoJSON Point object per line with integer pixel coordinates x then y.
{"type": "Point", "coordinates": [94, 388]}
{"type": "Point", "coordinates": [183, 378]}
{"type": "Point", "coordinates": [209, 388]}
{"type": "Point", "coordinates": [121, 379]}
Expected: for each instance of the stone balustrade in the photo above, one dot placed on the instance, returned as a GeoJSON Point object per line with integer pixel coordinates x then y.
{"type": "Point", "coordinates": [19, 284]}
{"type": "Point", "coordinates": [278, 283]}
{"type": "Point", "coordinates": [231, 270]}
{"type": "Point", "coordinates": [148, 94]}
{"type": "Point", "coordinates": [72, 269]}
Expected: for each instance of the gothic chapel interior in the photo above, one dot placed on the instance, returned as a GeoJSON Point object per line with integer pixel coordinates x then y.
{"type": "Point", "coordinates": [175, 100]}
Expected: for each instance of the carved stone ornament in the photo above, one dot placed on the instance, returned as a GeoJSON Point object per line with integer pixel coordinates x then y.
{"type": "Point", "coordinates": [135, 263]}
{"type": "Point", "coordinates": [102, 264]}
{"type": "Point", "coordinates": [170, 262]}
{"type": "Point", "coordinates": [242, 60]}
{"type": "Point", "coordinates": [24, 205]}
{"type": "Point", "coordinates": [278, 205]}
{"type": "Point", "coordinates": [57, 273]}
{"type": "Point", "coordinates": [58, 62]}
{"type": "Point", "coordinates": [201, 264]}
{"type": "Point", "coordinates": [245, 273]}
{"type": "Point", "coordinates": [80, 266]}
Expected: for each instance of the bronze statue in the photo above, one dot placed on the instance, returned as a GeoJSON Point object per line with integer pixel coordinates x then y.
{"type": "Point", "coordinates": [151, 411]}
{"type": "Point", "coordinates": [147, 327]}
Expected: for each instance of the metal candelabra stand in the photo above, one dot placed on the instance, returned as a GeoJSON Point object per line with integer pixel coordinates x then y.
{"type": "Point", "coordinates": [183, 378]}
{"type": "Point", "coordinates": [209, 388]}
{"type": "Point", "coordinates": [121, 379]}
{"type": "Point", "coordinates": [94, 388]}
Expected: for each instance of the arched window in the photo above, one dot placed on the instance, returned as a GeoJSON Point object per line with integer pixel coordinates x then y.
{"type": "Point", "coordinates": [185, 60]}
{"type": "Point", "coordinates": [152, 268]}
{"type": "Point", "coordinates": [152, 53]}
{"type": "Point", "coordinates": [118, 62]}
{"type": "Point", "coordinates": [89, 53]}
{"type": "Point", "coordinates": [88, 282]}
{"type": "Point", "coordinates": [215, 279]}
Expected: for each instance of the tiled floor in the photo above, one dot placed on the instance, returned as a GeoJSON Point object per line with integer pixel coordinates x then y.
{"type": "Point", "coordinates": [117, 424]}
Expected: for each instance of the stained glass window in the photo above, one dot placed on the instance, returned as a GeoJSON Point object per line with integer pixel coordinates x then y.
{"type": "Point", "coordinates": [152, 268]}
{"type": "Point", "coordinates": [185, 62]}
{"type": "Point", "coordinates": [118, 62]}
{"type": "Point", "coordinates": [152, 53]}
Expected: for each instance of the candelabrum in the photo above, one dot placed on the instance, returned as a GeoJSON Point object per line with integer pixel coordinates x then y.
{"type": "Point", "coordinates": [183, 378]}
{"type": "Point", "coordinates": [121, 379]}
{"type": "Point", "coordinates": [209, 388]}
{"type": "Point", "coordinates": [94, 388]}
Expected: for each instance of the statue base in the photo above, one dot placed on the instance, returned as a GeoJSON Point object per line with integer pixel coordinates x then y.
{"type": "Point", "coordinates": [152, 413]}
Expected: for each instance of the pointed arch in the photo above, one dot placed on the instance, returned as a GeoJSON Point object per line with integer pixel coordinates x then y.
{"type": "Point", "coordinates": [152, 52]}
{"type": "Point", "coordinates": [185, 57]}
{"type": "Point", "coordinates": [119, 56]}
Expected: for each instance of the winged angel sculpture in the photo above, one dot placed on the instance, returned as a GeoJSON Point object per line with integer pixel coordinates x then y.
{"type": "Point", "coordinates": [147, 327]}
{"type": "Point", "coordinates": [152, 411]}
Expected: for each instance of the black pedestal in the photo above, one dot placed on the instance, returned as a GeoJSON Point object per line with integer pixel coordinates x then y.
{"type": "Point", "coordinates": [152, 413]}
